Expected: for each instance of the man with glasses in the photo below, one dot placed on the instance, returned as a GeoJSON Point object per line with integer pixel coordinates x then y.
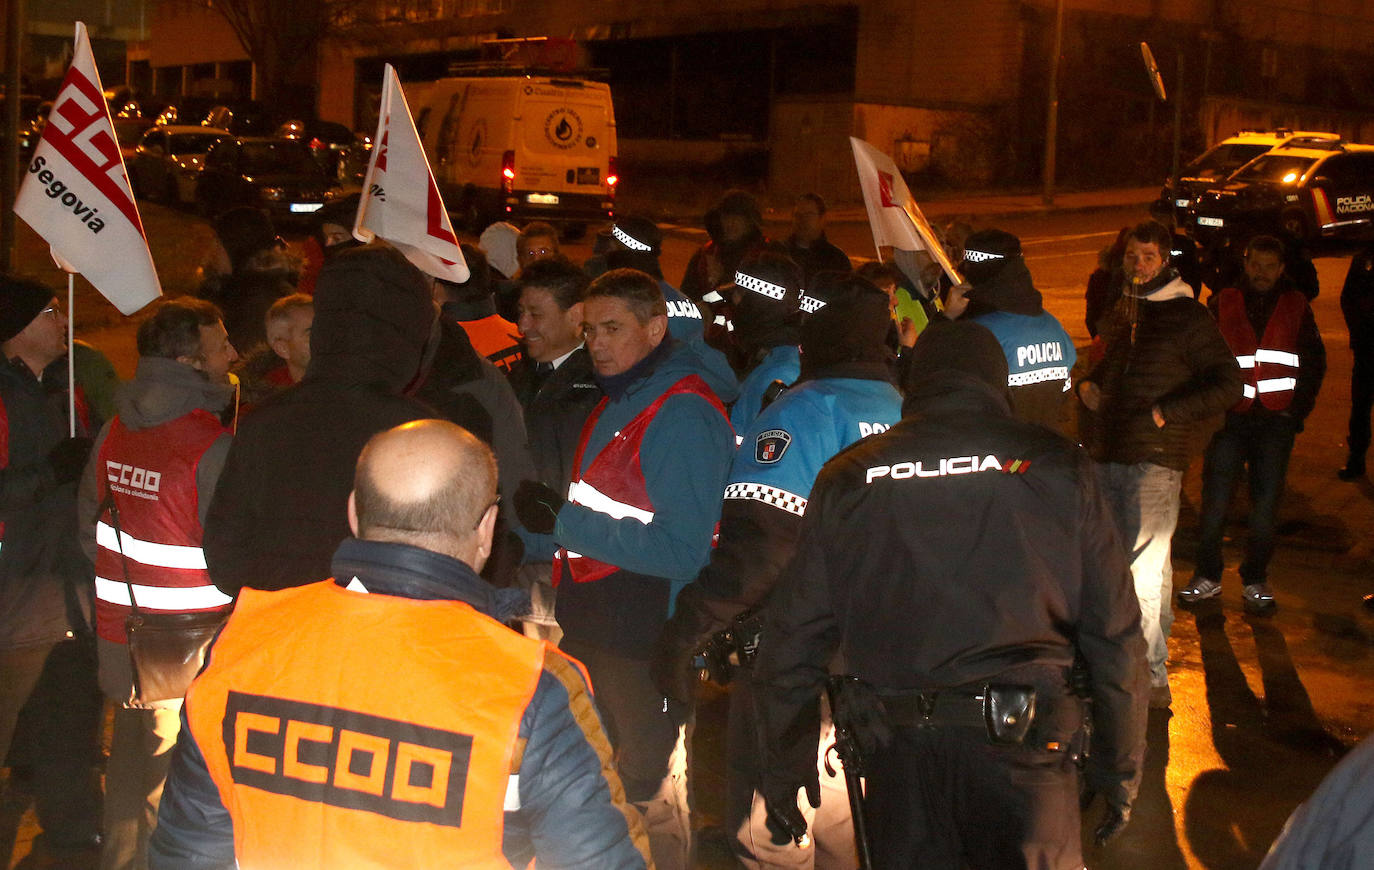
{"type": "Point", "coordinates": [47, 657]}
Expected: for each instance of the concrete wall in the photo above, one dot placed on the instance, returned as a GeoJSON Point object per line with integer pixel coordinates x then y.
{"type": "Point", "coordinates": [1222, 117]}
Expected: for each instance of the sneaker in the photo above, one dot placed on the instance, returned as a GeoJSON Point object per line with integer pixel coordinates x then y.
{"type": "Point", "coordinates": [1258, 598]}
{"type": "Point", "coordinates": [1200, 589]}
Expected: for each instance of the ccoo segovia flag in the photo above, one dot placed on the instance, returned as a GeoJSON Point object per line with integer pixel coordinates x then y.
{"type": "Point", "coordinates": [75, 192]}
{"type": "Point", "coordinates": [895, 218]}
{"type": "Point", "coordinates": [401, 202]}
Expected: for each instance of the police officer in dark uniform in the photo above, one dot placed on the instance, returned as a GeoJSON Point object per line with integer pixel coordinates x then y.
{"type": "Point", "coordinates": [845, 393]}
{"type": "Point", "coordinates": [959, 562]}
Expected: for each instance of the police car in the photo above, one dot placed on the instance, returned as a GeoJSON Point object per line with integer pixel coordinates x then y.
{"type": "Point", "coordinates": [1214, 165]}
{"type": "Point", "coordinates": [1312, 191]}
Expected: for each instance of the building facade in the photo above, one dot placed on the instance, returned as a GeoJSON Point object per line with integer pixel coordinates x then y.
{"type": "Point", "coordinates": [956, 91]}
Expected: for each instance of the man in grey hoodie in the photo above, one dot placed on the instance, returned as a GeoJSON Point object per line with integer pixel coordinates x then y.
{"type": "Point", "coordinates": [141, 505]}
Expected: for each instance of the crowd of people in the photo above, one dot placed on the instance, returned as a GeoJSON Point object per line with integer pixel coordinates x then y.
{"type": "Point", "coordinates": [447, 561]}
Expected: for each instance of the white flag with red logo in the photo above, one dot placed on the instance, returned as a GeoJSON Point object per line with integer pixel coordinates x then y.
{"type": "Point", "coordinates": [895, 218]}
{"type": "Point", "coordinates": [75, 192]}
{"type": "Point", "coordinates": [401, 202]}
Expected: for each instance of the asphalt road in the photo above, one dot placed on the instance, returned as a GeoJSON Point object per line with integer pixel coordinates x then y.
{"type": "Point", "coordinates": [1262, 707]}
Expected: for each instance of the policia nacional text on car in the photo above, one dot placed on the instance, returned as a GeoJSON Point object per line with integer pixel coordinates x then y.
{"type": "Point", "coordinates": [959, 561]}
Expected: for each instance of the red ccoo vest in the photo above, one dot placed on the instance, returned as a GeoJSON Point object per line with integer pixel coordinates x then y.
{"type": "Point", "coordinates": [1271, 364]}
{"type": "Point", "coordinates": [151, 475]}
{"type": "Point", "coordinates": [613, 483]}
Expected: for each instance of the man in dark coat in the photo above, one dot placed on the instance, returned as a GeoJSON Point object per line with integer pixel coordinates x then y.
{"type": "Point", "coordinates": [278, 512]}
{"type": "Point", "coordinates": [807, 246]}
{"type": "Point", "coordinates": [47, 653]}
{"type": "Point", "coordinates": [1167, 372]}
{"type": "Point", "coordinates": [1357, 306]}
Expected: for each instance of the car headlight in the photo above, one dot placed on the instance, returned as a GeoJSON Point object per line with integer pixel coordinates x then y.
{"type": "Point", "coordinates": [272, 194]}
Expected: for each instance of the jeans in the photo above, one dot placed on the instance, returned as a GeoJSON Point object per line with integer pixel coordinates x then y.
{"type": "Point", "coordinates": [1261, 446]}
{"type": "Point", "coordinates": [1144, 499]}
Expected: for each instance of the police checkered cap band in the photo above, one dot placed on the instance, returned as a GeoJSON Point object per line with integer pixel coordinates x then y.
{"type": "Point", "coordinates": [758, 285]}
{"type": "Point", "coordinates": [628, 240]}
{"type": "Point", "coordinates": [973, 256]}
{"type": "Point", "coordinates": [811, 304]}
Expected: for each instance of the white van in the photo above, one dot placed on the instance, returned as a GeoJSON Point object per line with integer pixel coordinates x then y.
{"type": "Point", "coordinates": [521, 148]}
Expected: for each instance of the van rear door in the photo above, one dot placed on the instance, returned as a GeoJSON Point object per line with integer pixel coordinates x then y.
{"type": "Point", "coordinates": [567, 132]}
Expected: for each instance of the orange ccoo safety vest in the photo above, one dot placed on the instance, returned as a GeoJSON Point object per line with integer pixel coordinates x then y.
{"type": "Point", "coordinates": [337, 743]}
{"type": "Point", "coordinates": [1270, 364]}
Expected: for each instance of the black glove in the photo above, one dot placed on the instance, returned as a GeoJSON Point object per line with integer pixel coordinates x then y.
{"type": "Point", "coordinates": [858, 709]}
{"type": "Point", "coordinates": [671, 667]}
{"type": "Point", "coordinates": [785, 821]}
{"type": "Point", "coordinates": [68, 459]}
{"type": "Point", "coordinates": [537, 505]}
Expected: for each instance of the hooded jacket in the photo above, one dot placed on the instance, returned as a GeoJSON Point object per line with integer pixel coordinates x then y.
{"type": "Point", "coordinates": [1040, 354]}
{"type": "Point", "coordinates": [1162, 350]}
{"type": "Point", "coordinates": [685, 457]}
{"type": "Point", "coordinates": [280, 508]}
{"type": "Point", "coordinates": [163, 390]}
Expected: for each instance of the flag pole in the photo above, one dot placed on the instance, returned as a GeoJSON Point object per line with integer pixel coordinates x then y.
{"type": "Point", "coordinates": [71, 355]}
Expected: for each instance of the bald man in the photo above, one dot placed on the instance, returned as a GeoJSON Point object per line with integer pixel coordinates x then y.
{"type": "Point", "coordinates": [398, 722]}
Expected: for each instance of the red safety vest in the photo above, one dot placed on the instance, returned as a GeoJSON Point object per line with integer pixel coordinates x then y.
{"type": "Point", "coordinates": [338, 748]}
{"type": "Point", "coordinates": [151, 475]}
{"type": "Point", "coordinates": [613, 483]}
{"type": "Point", "coordinates": [1271, 364]}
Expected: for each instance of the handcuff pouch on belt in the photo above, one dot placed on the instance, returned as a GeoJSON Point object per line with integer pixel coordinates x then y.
{"type": "Point", "coordinates": [1006, 711]}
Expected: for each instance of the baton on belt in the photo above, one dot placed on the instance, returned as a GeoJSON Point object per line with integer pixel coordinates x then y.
{"type": "Point", "coordinates": [847, 748]}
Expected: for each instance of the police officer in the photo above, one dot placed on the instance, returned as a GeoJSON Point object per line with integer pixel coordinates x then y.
{"type": "Point", "coordinates": [1039, 352]}
{"type": "Point", "coordinates": [398, 722]}
{"type": "Point", "coordinates": [958, 562]}
{"type": "Point", "coordinates": [766, 297]}
{"type": "Point", "coordinates": [845, 393]}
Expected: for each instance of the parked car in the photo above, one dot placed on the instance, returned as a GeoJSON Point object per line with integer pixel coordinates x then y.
{"type": "Point", "coordinates": [279, 175]}
{"type": "Point", "coordinates": [168, 160]}
{"type": "Point", "coordinates": [1314, 192]}
{"type": "Point", "coordinates": [129, 131]}
{"type": "Point", "coordinates": [1216, 164]}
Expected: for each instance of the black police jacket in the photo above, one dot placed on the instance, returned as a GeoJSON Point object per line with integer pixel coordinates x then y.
{"type": "Point", "coordinates": [960, 547]}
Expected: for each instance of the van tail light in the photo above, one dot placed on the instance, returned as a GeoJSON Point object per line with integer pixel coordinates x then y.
{"type": "Point", "coordinates": [612, 178]}
{"type": "Point", "coordinates": [508, 172]}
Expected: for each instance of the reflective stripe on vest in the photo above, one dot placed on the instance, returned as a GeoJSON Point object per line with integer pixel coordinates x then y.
{"type": "Point", "coordinates": [583, 493]}
{"type": "Point", "coordinates": [331, 750]}
{"type": "Point", "coordinates": [147, 552]}
{"type": "Point", "coordinates": [151, 476]}
{"type": "Point", "coordinates": [1269, 363]}
{"type": "Point", "coordinates": [161, 597]}
{"type": "Point", "coordinates": [612, 483]}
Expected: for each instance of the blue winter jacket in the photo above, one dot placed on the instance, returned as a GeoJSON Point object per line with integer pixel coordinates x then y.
{"type": "Point", "coordinates": [685, 457]}
{"type": "Point", "coordinates": [781, 363]}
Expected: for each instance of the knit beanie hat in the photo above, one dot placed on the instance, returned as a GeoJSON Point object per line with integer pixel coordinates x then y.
{"type": "Point", "coordinates": [20, 302]}
{"type": "Point", "coordinates": [374, 314]}
{"type": "Point", "coordinates": [956, 346]}
{"type": "Point", "coordinates": [498, 242]}
{"type": "Point", "coordinates": [851, 322]}
{"type": "Point", "coordinates": [244, 231]}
